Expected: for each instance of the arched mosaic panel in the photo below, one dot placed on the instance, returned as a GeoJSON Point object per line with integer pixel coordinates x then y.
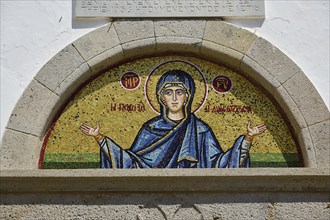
{"type": "Point", "coordinates": [135, 129]}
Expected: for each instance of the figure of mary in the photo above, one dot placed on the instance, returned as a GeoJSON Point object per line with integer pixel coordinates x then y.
{"type": "Point", "coordinates": [176, 138]}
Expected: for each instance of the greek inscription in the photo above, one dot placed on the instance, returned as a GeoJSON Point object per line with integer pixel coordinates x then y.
{"type": "Point", "coordinates": [124, 107]}
{"type": "Point", "coordinates": [228, 108]}
{"type": "Point", "coordinates": [170, 8]}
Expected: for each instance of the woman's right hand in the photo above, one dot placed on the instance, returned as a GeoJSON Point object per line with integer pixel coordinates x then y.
{"type": "Point", "coordinates": [89, 130]}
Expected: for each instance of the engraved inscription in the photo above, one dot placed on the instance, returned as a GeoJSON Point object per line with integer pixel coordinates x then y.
{"type": "Point", "coordinates": [169, 8]}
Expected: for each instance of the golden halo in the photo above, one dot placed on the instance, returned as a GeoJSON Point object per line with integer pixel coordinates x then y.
{"type": "Point", "coordinates": [193, 70]}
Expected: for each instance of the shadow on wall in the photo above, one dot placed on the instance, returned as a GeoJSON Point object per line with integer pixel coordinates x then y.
{"type": "Point", "coordinates": [167, 206]}
{"type": "Point", "coordinates": [248, 23]}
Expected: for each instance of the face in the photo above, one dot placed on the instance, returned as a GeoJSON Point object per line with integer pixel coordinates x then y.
{"type": "Point", "coordinates": [174, 98]}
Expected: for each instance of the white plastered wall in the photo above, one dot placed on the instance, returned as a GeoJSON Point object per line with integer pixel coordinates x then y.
{"type": "Point", "coordinates": [32, 32]}
{"type": "Point", "coordinates": [294, 193]}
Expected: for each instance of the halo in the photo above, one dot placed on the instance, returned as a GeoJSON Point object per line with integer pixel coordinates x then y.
{"type": "Point", "coordinates": [193, 70]}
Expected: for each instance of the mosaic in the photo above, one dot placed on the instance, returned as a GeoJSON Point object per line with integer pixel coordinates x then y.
{"type": "Point", "coordinates": [169, 112]}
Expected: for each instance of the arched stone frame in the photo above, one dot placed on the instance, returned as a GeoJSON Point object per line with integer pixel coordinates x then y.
{"type": "Point", "coordinates": [256, 58]}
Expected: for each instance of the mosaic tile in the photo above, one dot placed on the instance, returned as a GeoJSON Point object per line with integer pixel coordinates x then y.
{"type": "Point", "coordinates": [122, 104]}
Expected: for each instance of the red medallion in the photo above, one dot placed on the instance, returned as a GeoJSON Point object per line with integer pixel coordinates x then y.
{"type": "Point", "coordinates": [130, 80]}
{"type": "Point", "coordinates": [222, 84]}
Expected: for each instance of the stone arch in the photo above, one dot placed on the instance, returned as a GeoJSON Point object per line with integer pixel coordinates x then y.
{"type": "Point", "coordinates": [119, 41]}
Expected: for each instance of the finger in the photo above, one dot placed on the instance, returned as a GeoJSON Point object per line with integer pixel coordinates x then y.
{"type": "Point", "coordinates": [88, 127]}
{"type": "Point", "coordinates": [261, 125]}
{"type": "Point", "coordinates": [262, 130]}
{"type": "Point", "coordinates": [85, 130]}
{"type": "Point", "coordinates": [97, 125]}
{"type": "Point", "coordinates": [248, 126]}
{"type": "Point", "coordinates": [84, 126]}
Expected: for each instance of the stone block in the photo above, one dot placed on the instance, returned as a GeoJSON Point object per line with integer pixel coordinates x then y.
{"type": "Point", "coordinates": [178, 44]}
{"type": "Point", "coordinates": [30, 108]}
{"type": "Point", "coordinates": [307, 99]}
{"type": "Point", "coordinates": [228, 35]}
{"type": "Point", "coordinates": [19, 151]}
{"type": "Point", "coordinates": [302, 210]}
{"type": "Point", "coordinates": [272, 59]}
{"type": "Point", "coordinates": [97, 41]}
{"type": "Point", "coordinates": [180, 28]}
{"type": "Point", "coordinates": [252, 70]}
{"type": "Point", "coordinates": [290, 109]}
{"type": "Point", "coordinates": [223, 54]}
{"type": "Point", "coordinates": [134, 48]}
{"type": "Point", "coordinates": [46, 117]}
{"type": "Point", "coordinates": [307, 148]}
{"type": "Point", "coordinates": [73, 82]}
{"type": "Point", "coordinates": [190, 205]}
{"type": "Point", "coordinates": [166, 180]}
{"type": "Point", "coordinates": [134, 30]}
{"type": "Point", "coordinates": [104, 60]}
{"type": "Point", "coordinates": [234, 209]}
{"type": "Point", "coordinates": [53, 211]}
{"type": "Point", "coordinates": [59, 67]}
{"type": "Point", "coordinates": [320, 134]}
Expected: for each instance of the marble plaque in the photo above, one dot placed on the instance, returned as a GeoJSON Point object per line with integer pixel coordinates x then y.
{"type": "Point", "coordinates": [169, 8]}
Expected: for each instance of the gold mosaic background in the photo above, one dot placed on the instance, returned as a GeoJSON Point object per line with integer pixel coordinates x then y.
{"type": "Point", "coordinates": [93, 104]}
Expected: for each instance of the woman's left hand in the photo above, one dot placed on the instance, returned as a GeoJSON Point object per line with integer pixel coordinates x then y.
{"type": "Point", "coordinates": [253, 131]}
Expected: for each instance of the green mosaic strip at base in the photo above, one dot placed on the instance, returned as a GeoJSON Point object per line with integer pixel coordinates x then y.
{"type": "Point", "coordinates": [71, 161]}
{"type": "Point", "coordinates": [274, 160]}
{"type": "Point", "coordinates": [71, 165]}
{"type": "Point", "coordinates": [77, 161]}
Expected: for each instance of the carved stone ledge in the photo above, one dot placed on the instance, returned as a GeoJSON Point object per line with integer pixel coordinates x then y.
{"type": "Point", "coordinates": [167, 180]}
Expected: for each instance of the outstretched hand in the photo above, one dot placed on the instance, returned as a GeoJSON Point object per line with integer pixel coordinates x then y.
{"type": "Point", "coordinates": [259, 129]}
{"type": "Point", "coordinates": [89, 130]}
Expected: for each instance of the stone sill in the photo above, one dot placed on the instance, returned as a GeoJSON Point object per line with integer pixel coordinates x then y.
{"type": "Point", "coordinates": [169, 180]}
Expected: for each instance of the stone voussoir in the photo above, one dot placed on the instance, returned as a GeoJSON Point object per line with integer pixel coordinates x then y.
{"type": "Point", "coordinates": [97, 41]}
{"type": "Point", "coordinates": [223, 54]}
{"type": "Point", "coordinates": [134, 30]}
{"type": "Point", "coordinates": [59, 67]}
{"type": "Point", "coordinates": [73, 81]}
{"type": "Point", "coordinates": [290, 108]}
{"type": "Point", "coordinates": [257, 73]}
{"type": "Point", "coordinates": [180, 28]}
{"type": "Point", "coordinates": [307, 148]}
{"type": "Point", "coordinates": [133, 48]}
{"type": "Point", "coordinates": [320, 134]}
{"type": "Point", "coordinates": [229, 35]}
{"type": "Point", "coordinates": [19, 151]}
{"type": "Point", "coordinates": [29, 108]}
{"type": "Point", "coordinates": [307, 99]}
{"type": "Point", "coordinates": [272, 59]}
{"type": "Point", "coordinates": [106, 59]}
{"type": "Point", "coordinates": [178, 44]}
{"type": "Point", "coordinates": [46, 117]}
